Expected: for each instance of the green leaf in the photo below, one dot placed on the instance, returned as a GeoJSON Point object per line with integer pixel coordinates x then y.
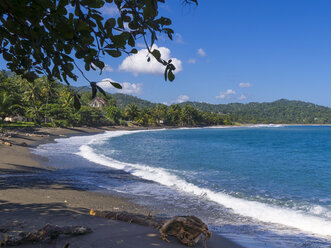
{"type": "Point", "coordinates": [134, 25]}
{"type": "Point", "coordinates": [99, 64]}
{"type": "Point", "coordinates": [111, 22]}
{"type": "Point", "coordinates": [171, 76]}
{"type": "Point", "coordinates": [164, 21]}
{"type": "Point", "coordinates": [101, 90]}
{"type": "Point", "coordinates": [109, 25]}
{"type": "Point", "coordinates": [131, 41]}
{"type": "Point", "coordinates": [80, 54]}
{"type": "Point", "coordinates": [156, 53]}
{"type": "Point", "coordinates": [77, 103]}
{"type": "Point", "coordinates": [126, 18]}
{"type": "Point", "coordinates": [87, 66]}
{"type": "Point", "coordinates": [120, 40]}
{"type": "Point", "coordinates": [30, 76]}
{"type": "Point", "coordinates": [153, 38]}
{"type": "Point", "coordinates": [114, 53]}
{"type": "Point", "coordinates": [134, 51]}
{"type": "Point", "coordinates": [120, 22]}
{"type": "Point", "coordinates": [7, 56]}
{"type": "Point", "coordinates": [116, 85]}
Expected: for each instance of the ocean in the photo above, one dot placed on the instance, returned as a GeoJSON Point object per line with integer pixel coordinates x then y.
{"type": "Point", "coordinates": [262, 185]}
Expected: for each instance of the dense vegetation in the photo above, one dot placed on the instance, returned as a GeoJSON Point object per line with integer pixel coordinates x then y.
{"type": "Point", "coordinates": [281, 111]}
{"type": "Point", "coordinates": [48, 37]}
{"type": "Point", "coordinates": [122, 100]}
{"type": "Point", "coordinates": [51, 103]}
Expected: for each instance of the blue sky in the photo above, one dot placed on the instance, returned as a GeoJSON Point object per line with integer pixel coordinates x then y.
{"type": "Point", "coordinates": [236, 51]}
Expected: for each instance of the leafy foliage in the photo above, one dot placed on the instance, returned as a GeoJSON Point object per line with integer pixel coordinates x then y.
{"type": "Point", "coordinates": [122, 100]}
{"type": "Point", "coordinates": [114, 114]}
{"type": "Point", "coordinates": [47, 36]}
{"type": "Point", "coordinates": [281, 111]}
{"type": "Point", "coordinates": [52, 103]}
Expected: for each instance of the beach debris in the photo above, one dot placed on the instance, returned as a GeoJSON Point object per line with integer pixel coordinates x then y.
{"type": "Point", "coordinates": [128, 217]}
{"type": "Point", "coordinates": [188, 229]}
{"type": "Point", "coordinates": [46, 233]}
{"type": "Point", "coordinates": [7, 143]}
{"type": "Point", "coordinates": [4, 240]}
{"type": "Point", "coordinates": [66, 245]}
{"type": "Point", "coordinates": [4, 229]}
{"type": "Point", "coordinates": [35, 135]}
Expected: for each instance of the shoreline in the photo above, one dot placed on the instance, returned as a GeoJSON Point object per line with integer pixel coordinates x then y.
{"type": "Point", "coordinates": [27, 203]}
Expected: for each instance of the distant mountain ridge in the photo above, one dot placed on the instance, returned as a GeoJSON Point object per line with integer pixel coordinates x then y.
{"type": "Point", "coordinates": [122, 100]}
{"type": "Point", "coordinates": [280, 111]}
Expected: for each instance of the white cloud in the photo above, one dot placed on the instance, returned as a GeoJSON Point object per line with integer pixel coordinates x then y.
{"type": "Point", "coordinates": [201, 52]}
{"type": "Point", "coordinates": [127, 88]}
{"type": "Point", "coordinates": [137, 63]}
{"type": "Point", "coordinates": [242, 97]}
{"type": "Point", "coordinates": [192, 61]}
{"type": "Point", "coordinates": [109, 10]}
{"type": "Point", "coordinates": [182, 98]}
{"type": "Point", "coordinates": [245, 85]}
{"type": "Point", "coordinates": [179, 38]}
{"type": "Point", "coordinates": [108, 68]}
{"type": "Point", "coordinates": [227, 94]}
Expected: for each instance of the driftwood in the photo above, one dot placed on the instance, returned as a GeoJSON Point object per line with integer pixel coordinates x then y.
{"type": "Point", "coordinates": [128, 217]}
{"type": "Point", "coordinates": [46, 233]}
{"type": "Point", "coordinates": [188, 229]}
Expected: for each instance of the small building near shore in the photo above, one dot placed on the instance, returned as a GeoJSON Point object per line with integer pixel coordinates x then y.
{"type": "Point", "coordinates": [98, 102]}
{"type": "Point", "coordinates": [15, 118]}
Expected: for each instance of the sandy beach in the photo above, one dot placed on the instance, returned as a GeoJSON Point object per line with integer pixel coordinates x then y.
{"type": "Point", "coordinates": [27, 204]}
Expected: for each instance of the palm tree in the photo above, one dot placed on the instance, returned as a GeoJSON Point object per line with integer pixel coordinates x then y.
{"type": "Point", "coordinates": [174, 113]}
{"type": "Point", "coordinates": [159, 113]}
{"type": "Point", "coordinates": [131, 111]}
{"type": "Point", "coordinates": [32, 97]}
{"type": "Point", "coordinates": [6, 101]}
{"type": "Point", "coordinates": [47, 91]}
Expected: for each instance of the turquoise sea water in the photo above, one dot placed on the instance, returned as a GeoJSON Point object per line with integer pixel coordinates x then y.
{"type": "Point", "coordinates": [268, 184]}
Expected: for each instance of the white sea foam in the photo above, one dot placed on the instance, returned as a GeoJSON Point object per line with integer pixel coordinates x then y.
{"type": "Point", "coordinates": [257, 210]}
{"type": "Point", "coordinates": [266, 125]}
{"type": "Point", "coordinates": [248, 126]}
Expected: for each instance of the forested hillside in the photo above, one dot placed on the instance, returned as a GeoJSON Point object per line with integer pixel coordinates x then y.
{"type": "Point", "coordinates": [50, 103]}
{"type": "Point", "coordinates": [281, 111]}
{"type": "Point", "coordinates": [53, 104]}
{"type": "Point", "coordinates": [123, 100]}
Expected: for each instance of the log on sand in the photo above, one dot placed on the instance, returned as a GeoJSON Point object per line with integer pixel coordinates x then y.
{"type": "Point", "coordinates": [46, 233]}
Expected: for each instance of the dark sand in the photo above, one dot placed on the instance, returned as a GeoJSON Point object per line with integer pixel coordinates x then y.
{"type": "Point", "coordinates": [27, 204]}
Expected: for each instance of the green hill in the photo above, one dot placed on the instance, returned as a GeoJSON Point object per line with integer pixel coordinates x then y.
{"type": "Point", "coordinates": [281, 111]}
{"type": "Point", "coordinates": [122, 100]}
